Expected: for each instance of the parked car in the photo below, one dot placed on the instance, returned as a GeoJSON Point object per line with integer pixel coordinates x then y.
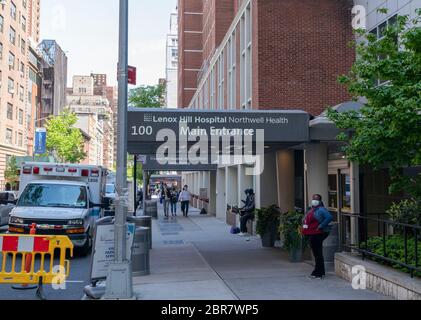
{"type": "Point", "coordinates": [8, 201]}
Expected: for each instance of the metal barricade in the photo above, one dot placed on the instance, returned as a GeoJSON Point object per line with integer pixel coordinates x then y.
{"type": "Point", "coordinates": [33, 259]}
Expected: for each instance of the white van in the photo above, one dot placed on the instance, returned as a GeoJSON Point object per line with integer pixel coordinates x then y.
{"type": "Point", "coordinates": [61, 199]}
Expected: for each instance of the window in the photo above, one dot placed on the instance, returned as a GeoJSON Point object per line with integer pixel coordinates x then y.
{"type": "Point", "coordinates": [12, 35]}
{"type": "Point", "coordinates": [212, 89]}
{"type": "Point", "coordinates": [21, 117]}
{"type": "Point", "coordinates": [13, 10]}
{"type": "Point", "coordinates": [379, 33]}
{"type": "Point", "coordinates": [24, 3]}
{"type": "Point", "coordinates": [9, 135]}
{"type": "Point", "coordinates": [11, 61]}
{"type": "Point", "coordinates": [82, 90]}
{"type": "Point", "coordinates": [1, 51]}
{"type": "Point", "coordinates": [23, 23]}
{"type": "Point", "coordinates": [21, 95]}
{"type": "Point", "coordinates": [232, 77]}
{"type": "Point", "coordinates": [9, 111]}
{"type": "Point", "coordinates": [174, 53]}
{"type": "Point", "coordinates": [11, 86]}
{"type": "Point", "coordinates": [1, 23]}
{"type": "Point", "coordinates": [246, 61]}
{"type": "Point", "coordinates": [23, 46]}
{"type": "Point", "coordinates": [221, 80]}
{"type": "Point", "coordinates": [20, 140]}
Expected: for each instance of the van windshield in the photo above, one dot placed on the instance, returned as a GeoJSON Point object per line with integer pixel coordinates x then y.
{"type": "Point", "coordinates": [54, 195]}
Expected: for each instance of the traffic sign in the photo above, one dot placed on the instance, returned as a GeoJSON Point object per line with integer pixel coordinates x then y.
{"type": "Point", "coordinates": [40, 141]}
{"type": "Point", "coordinates": [132, 74]}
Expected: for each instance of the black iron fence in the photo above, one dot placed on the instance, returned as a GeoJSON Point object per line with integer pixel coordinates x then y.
{"type": "Point", "coordinates": [376, 237]}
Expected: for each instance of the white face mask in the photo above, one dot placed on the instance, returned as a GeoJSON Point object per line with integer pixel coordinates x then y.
{"type": "Point", "coordinates": [315, 203]}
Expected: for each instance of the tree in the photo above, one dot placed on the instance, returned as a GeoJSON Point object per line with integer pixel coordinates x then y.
{"type": "Point", "coordinates": [11, 173]}
{"type": "Point", "coordinates": [387, 130]}
{"type": "Point", "coordinates": [147, 96]}
{"type": "Point", "coordinates": [65, 141]}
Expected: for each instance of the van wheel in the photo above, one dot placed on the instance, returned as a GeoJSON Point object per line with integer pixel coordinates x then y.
{"type": "Point", "coordinates": [87, 248]}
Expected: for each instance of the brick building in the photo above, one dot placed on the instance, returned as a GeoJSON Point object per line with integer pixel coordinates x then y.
{"type": "Point", "coordinates": [19, 97]}
{"type": "Point", "coordinates": [267, 54]}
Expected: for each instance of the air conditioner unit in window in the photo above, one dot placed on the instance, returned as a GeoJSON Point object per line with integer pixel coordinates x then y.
{"type": "Point", "coordinates": [12, 91]}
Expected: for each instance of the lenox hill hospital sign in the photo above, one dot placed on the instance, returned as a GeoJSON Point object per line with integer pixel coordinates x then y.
{"type": "Point", "coordinates": [197, 137]}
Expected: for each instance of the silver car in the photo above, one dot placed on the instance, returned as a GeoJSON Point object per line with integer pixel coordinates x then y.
{"type": "Point", "coordinates": [8, 201]}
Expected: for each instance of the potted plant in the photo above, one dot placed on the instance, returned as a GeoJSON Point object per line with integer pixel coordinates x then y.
{"type": "Point", "coordinates": [290, 228]}
{"type": "Point", "coordinates": [267, 225]}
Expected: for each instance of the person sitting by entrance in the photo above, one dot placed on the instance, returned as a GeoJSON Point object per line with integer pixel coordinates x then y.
{"type": "Point", "coordinates": [247, 212]}
{"type": "Point", "coordinates": [316, 228]}
{"type": "Point", "coordinates": [185, 198]}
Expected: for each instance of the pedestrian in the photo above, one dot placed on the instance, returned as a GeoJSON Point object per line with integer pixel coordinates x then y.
{"type": "Point", "coordinates": [185, 198]}
{"type": "Point", "coordinates": [174, 201]}
{"type": "Point", "coordinates": [316, 228]}
{"type": "Point", "coordinates": [166, 201]}
{"type": "Point", "coordinates": [247, 212]}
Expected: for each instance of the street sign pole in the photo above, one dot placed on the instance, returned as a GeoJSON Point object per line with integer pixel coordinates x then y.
{"type": "Point", "coordinates": [119, 279]}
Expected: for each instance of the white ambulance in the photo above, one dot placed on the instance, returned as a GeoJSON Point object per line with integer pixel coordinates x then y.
{"type": "Point", "coordinates": [61, 199]}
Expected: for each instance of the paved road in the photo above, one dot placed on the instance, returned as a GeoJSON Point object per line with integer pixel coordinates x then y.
{"type": "Point", "coordinates": [79, 278]}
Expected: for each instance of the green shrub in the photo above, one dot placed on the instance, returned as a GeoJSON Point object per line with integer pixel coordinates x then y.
{"type": "Point", "coordinates": [265, 217]}
{"type": "Point", "coordinates": [406, 211]}
{"type": "Point", "coordinates": [395, 249]}
{"type": "Point", "coordinates": [290, 227]}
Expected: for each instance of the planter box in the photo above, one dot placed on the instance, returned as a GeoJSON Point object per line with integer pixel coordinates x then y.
{"type": "Point", "coordinates": [269, 238]}
{"type": "Point", "coordinates": [231, 219]}
{"type": "Point", "coordinates": [379, 278]}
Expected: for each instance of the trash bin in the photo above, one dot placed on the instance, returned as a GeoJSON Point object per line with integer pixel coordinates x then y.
{"type": "Point", "coordinates": [144, 221]}
{"type": "Point", "coordinates": [140, 252]}
{"type": "Point", "coordinates": [151, 209]}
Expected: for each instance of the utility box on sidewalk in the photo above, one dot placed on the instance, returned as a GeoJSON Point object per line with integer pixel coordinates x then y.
{"type": "Point", "coordinates": [140, 253]}
{"type": "Point", "coordinates": [143, 221]}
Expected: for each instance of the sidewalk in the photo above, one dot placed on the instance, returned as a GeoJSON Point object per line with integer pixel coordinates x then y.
{"type": "Point", "coordinates": [197, 258]}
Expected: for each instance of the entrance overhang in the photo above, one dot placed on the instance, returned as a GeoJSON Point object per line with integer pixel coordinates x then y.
{"type": "Point", "coordinates": [147, 127]}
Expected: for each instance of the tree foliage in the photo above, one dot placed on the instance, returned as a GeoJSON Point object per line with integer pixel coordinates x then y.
{"type": "Point", "coordinates": [64, 140]}
{"type": "Point", "coordinates": [147, 96]}
{"type": "Point", "coordinates": [387, 130]}
{"type": "Point", "coordinates": [11, 173]}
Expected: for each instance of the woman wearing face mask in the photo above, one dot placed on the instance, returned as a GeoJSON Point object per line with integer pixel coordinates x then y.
{"type": "Point", "coordinates": [316, 227]}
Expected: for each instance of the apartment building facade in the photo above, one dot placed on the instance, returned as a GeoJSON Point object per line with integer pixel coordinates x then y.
{"type": "Point", "coordinates": [95, 120]}
{"type": "Point", "coordinates": [54, 79]}
{"type": "Point", "coordinates": [101, 88]}
{"type": "Point", "coordinates": [19, 32]}
{"type": "Point", "coordinates": [171, 68]}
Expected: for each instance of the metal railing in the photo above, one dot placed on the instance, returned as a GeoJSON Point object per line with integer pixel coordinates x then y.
{"type": "Point", "coordinates": [361, 233]}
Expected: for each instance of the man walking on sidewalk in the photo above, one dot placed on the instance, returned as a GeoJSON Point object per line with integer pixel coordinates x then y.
{"type": "Point", "coordinates": [185, 198]}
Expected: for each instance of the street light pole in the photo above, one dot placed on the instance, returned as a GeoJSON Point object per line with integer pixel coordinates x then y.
{"type": "Point", "coordinates": [119, 280]}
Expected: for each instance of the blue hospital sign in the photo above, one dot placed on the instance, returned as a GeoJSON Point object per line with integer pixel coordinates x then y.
{"type": "Point", "coordinates": [40, 141]}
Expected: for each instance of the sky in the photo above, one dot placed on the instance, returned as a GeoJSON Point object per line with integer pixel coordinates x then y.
{"type": "Point", "coordinates": [87, 30]}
